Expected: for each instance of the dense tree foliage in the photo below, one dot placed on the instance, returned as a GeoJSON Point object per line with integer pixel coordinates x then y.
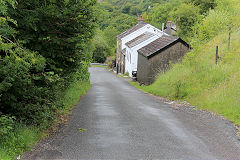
{"type": "Point", "coordinates": [44, 47]}
{"type": "Point", "coordinates": [186, 14]}
{"type": "Point", "coordinates": [115, 17]}
{"type": "Point", "coordinates": [132, 7]}
{"type": "Point", "coordinates": [58, 30]}
{"type": "Point", "coordinates": [204, 5]}
{"type": "Point", "coordinates": [160, 14]}
{"type": "Point", "coordinates": [101, 47]}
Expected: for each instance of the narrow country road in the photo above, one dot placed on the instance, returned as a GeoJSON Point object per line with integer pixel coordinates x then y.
{"type": "Point", "coordinates": [124, 123]}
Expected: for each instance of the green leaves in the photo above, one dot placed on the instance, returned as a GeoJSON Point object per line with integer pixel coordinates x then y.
{"type": "Point", "coordinates": [160, 14]}
{"type": "Point", "coordinates": [101, 48]}
{"type": "Point", "coordinates": [204, 5]}
{"type": "Point", "coordinates": [55, 29]}
{"type": "Point", "coordinates": [6, 124]}
{"type": "Point", "coordinates": [82, 129]}
{"type": "Point", "coordinates": [44, 47]}
{"type": "Point", "coordinates": [186, 15]}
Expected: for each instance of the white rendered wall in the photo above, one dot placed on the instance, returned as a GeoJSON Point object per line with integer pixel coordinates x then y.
{"type": "Point", "coordinates": [131, 64]}
{"type": "Point", "coordinates": [127, 62]}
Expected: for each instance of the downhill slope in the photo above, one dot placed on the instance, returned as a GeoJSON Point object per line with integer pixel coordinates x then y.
{"type": "Point", "coordinates": [198, 79]}
{"type": "Point", "coordinates": [202, 82]}
{"type": "Point", "coordinates": [116, 121]}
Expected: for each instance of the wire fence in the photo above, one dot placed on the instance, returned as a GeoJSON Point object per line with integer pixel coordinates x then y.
{"type": "Point", "coordinates": [229, 47]}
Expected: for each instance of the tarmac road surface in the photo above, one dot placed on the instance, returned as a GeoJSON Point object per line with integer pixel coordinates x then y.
{"type": "Point", "coordinates": [117, 121]}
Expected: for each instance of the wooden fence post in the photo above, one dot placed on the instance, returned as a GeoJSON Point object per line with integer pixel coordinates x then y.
{"type": "Point", "coordinates": [217, 56]}
{"type": "Point", "coordinates": [229, 40]}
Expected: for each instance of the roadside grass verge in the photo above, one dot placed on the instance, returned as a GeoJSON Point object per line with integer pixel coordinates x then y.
{"type": "Point", "coordinates": [201, 82]}
{"type": "Point", "coordinates": [71, 98]}
{"type": "Point", "coordinates": [103, 66]}
{"type": "Point", "coordinates": [123, 76]}
{"type": "Point", "coordinates": [22, 137]}
{"type": "Point", "coordinates": [75, 91]}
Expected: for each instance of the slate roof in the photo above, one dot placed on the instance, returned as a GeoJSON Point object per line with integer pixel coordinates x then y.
{"type": "Point", "coordinates": [143, 37]}
{"type": "Point", "coordinates": [158, 45]}
{"type": "Point", "coordinates": [131, 30]}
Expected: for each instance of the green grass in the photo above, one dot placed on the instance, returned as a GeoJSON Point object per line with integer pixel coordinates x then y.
{"type": "Point", "coordinates": [122, 76]}
{"type": "Point", "coordinates": [98, 66]}
{"type": "Point", "coordinates": [101, 66]}
{"type": "Point", "coordinates": [201, 82]}
{"type": "Point", "coordinates": [23, 137]}
{"type": "Point", "coordinates": [75, 91]}
{"type": "Point", "coordinates": [4, 155]}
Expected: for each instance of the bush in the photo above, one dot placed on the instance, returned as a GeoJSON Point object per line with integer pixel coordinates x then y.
{"type": "Point", "coordinates": [46, 57]}
{"type": "Point", "coordinates": [186, 15]}
{"type": "Point", "coordinates": [101, 48]}
{"type": "Point", "coordinates": [16, 141]}
{"type": "Point", "coordinates": [160, 14]}
{"type": "Point", "coordinates": [111, 61]}
{"type": "Point", "coordinates": [24, 86]}
{"type": "Point", "coordinates": [44, 49]}
{"type": "Point", "coordinates": [6, 124]}
{"type": "Point", "coordinates": [216, 22]}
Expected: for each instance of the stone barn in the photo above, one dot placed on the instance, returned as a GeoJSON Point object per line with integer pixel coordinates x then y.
{"type": "Point", "coordinates": [155, 57]}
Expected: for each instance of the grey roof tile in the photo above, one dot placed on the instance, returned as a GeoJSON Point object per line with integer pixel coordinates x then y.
{"type": "Point", "coordinates": [157, 45]}
{"type": "Point", "coordinates": [143, 37]}
{"type": "Point", "coordinates": [131, 30]}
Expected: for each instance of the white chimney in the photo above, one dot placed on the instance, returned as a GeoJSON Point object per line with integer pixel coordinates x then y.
{"type": "Point", "coordinates": [163, 27]}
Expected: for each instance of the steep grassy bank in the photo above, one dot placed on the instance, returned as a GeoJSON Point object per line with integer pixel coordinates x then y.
{"type": "Point", "coordinates": [201, 82]}
{"type": "Point", "coordinates": [23, 137]}
{"type": "Point", "coordinates": [198, 79]}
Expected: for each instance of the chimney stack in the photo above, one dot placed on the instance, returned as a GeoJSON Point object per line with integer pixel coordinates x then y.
{"type": "Point", "coordinates": [169, 26]}
{"type": "Point", "coordinates": [140, 20]}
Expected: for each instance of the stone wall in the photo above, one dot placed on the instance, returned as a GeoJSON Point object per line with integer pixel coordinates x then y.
{"type": "Point", "coordinates": [118, 54]}
{"type": "Point", "coordinates": [142, 69]}
{"type": "Point", "coordinates": [160, 62]}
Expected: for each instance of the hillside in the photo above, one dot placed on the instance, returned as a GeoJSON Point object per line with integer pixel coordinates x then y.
{"type": "Point", "coordinates": [198, 79]}
{"type": "Point", "coordinates": [115, 17]}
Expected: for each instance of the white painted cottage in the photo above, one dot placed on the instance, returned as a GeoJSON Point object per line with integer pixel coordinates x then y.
{"type": "Point", "coordinates": [133, 46]}
{"type": "Point", "coordinates": [129, 35]}
{"type": "Point", "coordinates": [146, 28]}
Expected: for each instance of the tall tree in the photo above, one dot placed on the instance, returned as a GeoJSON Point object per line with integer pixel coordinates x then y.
{"type": "Point", "coordinates": [204, 5]}
{"type": "Point", "coordinates": [186, 16]}
{"type": "Point", "coordinates": [42, 47]}
{"type": "Point", "coordinates": [58, 30]}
